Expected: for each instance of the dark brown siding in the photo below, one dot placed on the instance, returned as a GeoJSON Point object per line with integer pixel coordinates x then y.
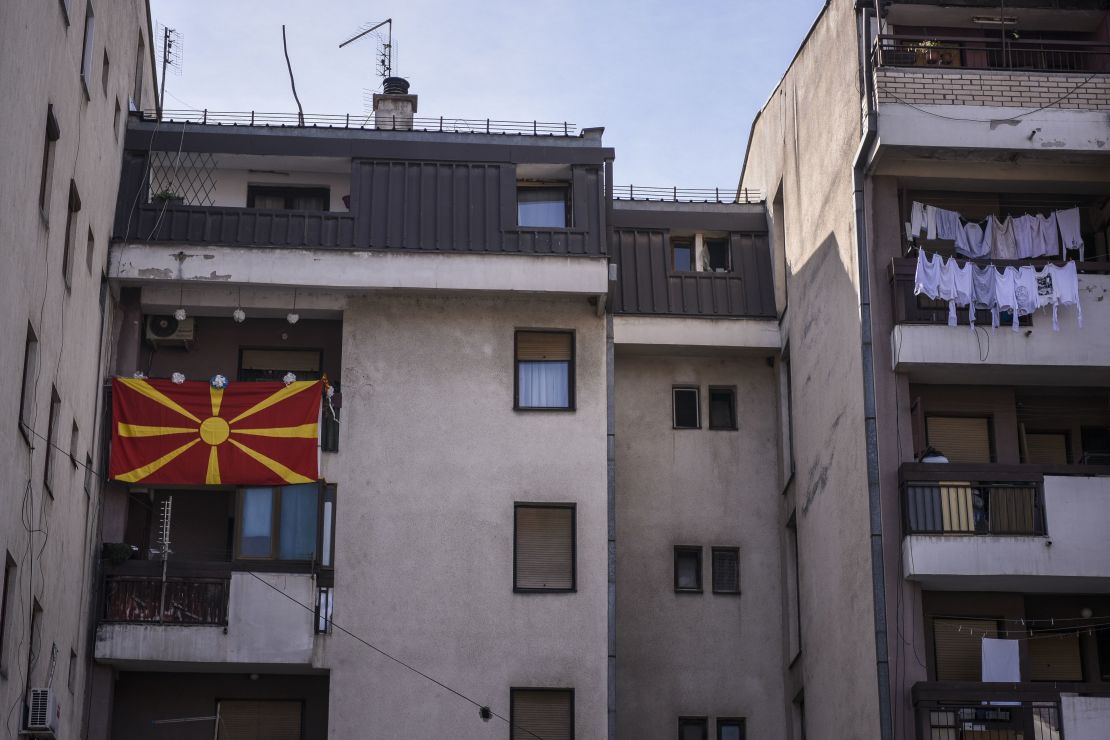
{"type": "Point", "coordinates": [647, 285]}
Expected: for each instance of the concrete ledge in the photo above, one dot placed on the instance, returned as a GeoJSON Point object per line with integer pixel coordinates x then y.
{"type": "Point", "coordinates": [696, 333]}
{"type": "Point", "coordinates": [358, 270]}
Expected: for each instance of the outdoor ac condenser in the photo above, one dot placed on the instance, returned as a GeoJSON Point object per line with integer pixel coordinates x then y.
{"type": "Point", "coordinates": [42, 712]}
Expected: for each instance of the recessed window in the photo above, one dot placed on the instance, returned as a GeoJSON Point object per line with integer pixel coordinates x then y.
{"type": "Point", "coordinates": [717, 255]}
{"type": "Point", "coordinates": [53, 133]}
{"type": "Point", "coordinates": [726, 570]}
{"type": "Point", "coordinates": [722, 408]}
{"type": "Point", "coordinates": [543, 207]}
{"type": "Point", "coordinates": [88, 474]}
{"type": "Point", "coordinates": [544, 547]}
{"type": "Point", "coordinates": [1046, 448]}
{"type": "Point", "coordinates": [962, 439]}
{"type": "Point", "coordinates": [730, 728]}
{"type": "Point", "coordinates": [90, 250]}
{"type": "Point", "coordinates": [30, 372]}
{"type": "Point", "coordinates": [136, 102]}
{"type": "Point", "coordinates": [72, 682]}
{"type": "Point", "coordinates": [7, 598]}
{"type": "Point", "coordinates": [693, 728]}
{"type": "Point", "coordinates": [51, 441]}
{"type": "Point", "coordinates": [115, 120]}
{"type": "Point", "coordinates": [544, 370]}
{"type": "Point", "coordinates": [87, 48]}
{"type": "Point", "coordinates": [262, 719]}
{"type": "Point", "coordinates": [65, 10]}
{"type": "Point", "coordinates": [687, 568]}
{"type": "Point", "coordinates": [273, 364]}
{"type": "Point", "coordinates": [70, 235]}
{"type": "Point", "coordinates": [685, 411]}
{"type": "Point", "coordinates": [105, 68]}
{"type": "Point", "coordinates": [682, 255]}
{"type": "Point", "coordinates": [285, 198]}
{"type": "Point", "coordinates": [546, 713]}
{"type": "Point", "coordinates": [74, 438]}
{"type": "Point", "coordinates": [278, 523]}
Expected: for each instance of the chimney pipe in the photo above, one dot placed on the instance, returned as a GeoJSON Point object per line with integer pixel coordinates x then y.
{"type": "Point", "coordinates": [394, 108]}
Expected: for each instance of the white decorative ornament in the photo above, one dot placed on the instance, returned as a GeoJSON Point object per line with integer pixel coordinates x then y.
{"type": "Point", "coordinates": [292, 318]}
{"type": "Point", "coordinates": [239, 315]}
{"type": "Point", "coordinates": [289, 378]}
{"type": "Point", "coordinates": [219, 382]}
{"type": "Point", "coordinates": [139, 374]}
{"type": "Point", "coordinates": [178, 378]}
{"type": "Point", "coordinates": [180, 314]}
{"type": "Point", "coordinates": [331, 391]}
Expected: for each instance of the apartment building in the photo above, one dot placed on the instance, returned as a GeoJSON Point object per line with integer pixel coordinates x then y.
{"type": "Point", "coordinates": [945, 485]}
{"type": "Point", "coordinates": [69, 72]}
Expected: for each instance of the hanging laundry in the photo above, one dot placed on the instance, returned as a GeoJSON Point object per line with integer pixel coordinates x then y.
{"type": "Point", "coordinates": [1003, 245]}
{"type": "Point", "coordinates": [984, 295]}
{"type": "Point", "coordinates": [1047, 242]}
{"type": "Point", "coordinates": [1070, 232]}
{"type": "Point", "coordinates": [917, 219]}
{"type": "Point", "coordinates": [1026, 235]}
{"type": "Point", "coordinates": [931, 222]}
{"type": "Point", "coordinates": [1005, 288]}
{"type": "Point", "coordinates": [1065, 286]}
{"type": "Point", "coordinates": [955, 286]}
{"type": "Point", "coordinates": [926, 278]}
{"type": "Point", "coordinates": [947, 223]}
{"type": "Point", "coordinates": [1025, 290]}
{"type": "Point", "coordinates": [976, 243]}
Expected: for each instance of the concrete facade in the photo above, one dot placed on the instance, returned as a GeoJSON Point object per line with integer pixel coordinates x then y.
{"type": "Point", "coordinates": [49, 537]}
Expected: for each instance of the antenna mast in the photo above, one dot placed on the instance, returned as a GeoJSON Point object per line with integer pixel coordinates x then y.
{"type": "Point", "coordinates": [171, 59]}
{"type": "Point", "coordinates": [385, 49]}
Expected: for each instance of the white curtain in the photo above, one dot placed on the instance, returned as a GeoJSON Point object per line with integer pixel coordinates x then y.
{"type": "Point", "coordinates": [544, 385]}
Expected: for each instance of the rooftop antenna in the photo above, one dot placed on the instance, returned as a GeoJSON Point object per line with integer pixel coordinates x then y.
{"type": "Point", "coordinates": [172, 51]}
{"type": "Point", "coordinates": [385, 46]}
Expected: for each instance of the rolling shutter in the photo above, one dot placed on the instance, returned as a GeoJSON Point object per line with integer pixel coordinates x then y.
{"type": "Point", "coordinates": [1046, 448]}
{"type": "Point", "coordinates": [538, 346]}
{"type": "Point", "coordinates": [1055, 658]}
{"type": "Point", "coordinates": [544, 557]}
{"type": "Point", "coordinates": [1012, 510]}
{"type": "Point", "coordinates": [542, 713]}
{"type": "Point", "coordinates": [960, 439]}
{"type": "Point", "coordinates": [726, 570]}
{"type": "Point", "coordinates": [259, 720]}
{"type": "Point", "coordinates": [958, 647]}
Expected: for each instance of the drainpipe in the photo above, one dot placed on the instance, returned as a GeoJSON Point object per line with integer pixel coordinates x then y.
{"type": "Point", "coordinates": [610, 476]}
{"type": "Point", "coordinates": [871, 437]}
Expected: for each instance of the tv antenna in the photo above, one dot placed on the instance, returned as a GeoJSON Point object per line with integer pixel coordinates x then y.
{"type": "Point", "coordinates": [172, 52]}
{"type": "Point", "coordinates": [385, 45]}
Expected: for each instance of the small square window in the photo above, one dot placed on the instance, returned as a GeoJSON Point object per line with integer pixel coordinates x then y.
{"type": "Point", "coordinates": [543, 547]}
{"type": "Point", "coordinates": [682, 256]}
{"type": "Point", "coordinates": [543, 207]}
{"type": "Point", "coordinates": [546, 713]}
{"type": "Point", "coordinates": [726, 570]}
{"type": "Point", "coordinates": [722, 408]}
{"type": "Point", "coordinates": [544, 370]}
{"type": "Point", "coordinates": [687, 568]}
{"type": "Point", "coordinates": [730, 728]}
{"type": "Point", "coordinates": [717, 255]}
{"type": "Point", "coordinates": [685, 407]}
{"type": "Point", "coordinates": [693, 728]}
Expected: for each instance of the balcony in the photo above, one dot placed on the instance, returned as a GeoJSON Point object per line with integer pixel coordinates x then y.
{"type": "Point", "coordinates": [995, 527]}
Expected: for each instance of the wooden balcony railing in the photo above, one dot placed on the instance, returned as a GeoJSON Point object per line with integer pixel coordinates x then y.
{"type": "Point", "coordinates": [948, 52]}
{"type": "Point", "coordinates": [133, 596]}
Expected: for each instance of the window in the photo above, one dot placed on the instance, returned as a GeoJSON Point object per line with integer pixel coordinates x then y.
{"type": "Point", "coordinates": [137, 90]}
{"type": "Point", "coordinates": [786, 408]}
{"type": "Point", "coordinates": [958, 648]}
{"type": "Point", "coordinates": [544, 370]}
{"type": "Point", "coordinates": [685, 407]}
{"type": "Point", "coordinates": [105, 66]}
{"type": "Point", "coordinates": [88, 474]}
{"type": "Point", "coordinates": [682, 255]}
{"type": "Point", "coordinates": [74, 438]}
{"type": "Point", "coordinates": [70, 235]}
{"type": "Point", "coordinates": [51, 428]}
{"type": "Point", "coordinates": [72, 682]}
{"type": "Point", "coordinates": [278, 523]}
{"type": "Point", "coordinates": [546, 713]}
{"type": "Point", "coordinates": [687, 568]}
{"type": "Point", "coordinates": [6, 598]}
{"type": "Point", "coordinates": [87, 49]}
{"type": "Point", "coordinates": [53, 133]}
{"type": "Point", "coordinates": [693, 728]}
{"type": "Point", "coordinates": [730, 728]}
{"type": "Point", "coordinates": [264, 719]}
{"type": "Point", "coordinates": [1046, 448]}
{"type": "Point", "coordinates": [544, 547]}
{"type": "Point", "coordinates": [1095, 442]}
{"type": "Point", "coordinates": [726, 570]}
{"type": "Point", "coordinates": [273, 364]}
{"type": "Point", "coordinates": [286, 198]}
{"type": "Point", "coordinates": [960, 439]}
{"type": "Point", "coordinates": [90, 250]}
{"type": "Point", "coordinates": [30, 374]}
{"type": "Point", "coordinates": [722, 408]}
{"type": "Point", "coordinates": [718, 257]}
{"type": "Point", "coordinates": [543, 207]}
{"type": "Point", "coordinates": [798, 716]}
{"type": "Point", "coordinates": [793, 606]}
{"type": "Point", "coordinates": [1102, 639]}
{"type": "Point", "coordinates": [115, 120]}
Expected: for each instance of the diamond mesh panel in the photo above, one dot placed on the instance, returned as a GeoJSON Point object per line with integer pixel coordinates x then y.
{"type": "Point", "coordinates": [189, 175]}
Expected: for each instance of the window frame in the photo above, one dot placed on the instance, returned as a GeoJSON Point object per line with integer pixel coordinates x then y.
{"type": "Point", "coordinates": [51, 428]}
{"type": "Point", "coordinates": [105, 70]}
{"type": "Point", "coordinates": [46, 176]}
{"type": "Point", "coordinates": [572, 370]}
{"type": "Point", "coordinates": [726, 242]}
{"type": "Point", "coordinates": [88, 43]}
{"type": "Point", "coordinates": [512, 703]}
{"type": "Point", "coordinates": [573, 506]}
{"type": "Point", "coordinates": [689, 243]}
{"type": "Point", "coordinates": [734, 421]}
{"type": "Point", "coordinates": [568, 211]}
{"type": "Point", "coordinates": [9, 571]}
{"type": "Point", "coordinates": [713, 569]}
{"type": "Point", "coordinates": [73, 207]}
{"type": "Point", "coordinates": [273, 561]}
{"type": "Point", "coordinates": [674, 406]}
{"type": "Point", "coordinates": [741, 722]}
{"type": "Point", "coordinates": [697, 550]}
{"type": "Point", "coordinates": [289, 192]}
{"type": "Point", "coordinates": [30, 373]}
{"type": "Point", "coordinates": [695, 721]}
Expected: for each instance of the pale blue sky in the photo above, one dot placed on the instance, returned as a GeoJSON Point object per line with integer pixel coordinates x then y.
{"type": "Point", "coordinates": [675, 84]}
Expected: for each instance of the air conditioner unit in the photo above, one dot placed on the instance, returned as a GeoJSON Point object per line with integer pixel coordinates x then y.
{"type": "Point", "coordinates": [166, 331]}
{"type": "Point", "coordinates": [42, 713]}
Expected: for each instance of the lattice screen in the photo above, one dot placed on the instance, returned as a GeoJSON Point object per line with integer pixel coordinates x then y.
{"type": "Point", "coordinates": [189, 175]}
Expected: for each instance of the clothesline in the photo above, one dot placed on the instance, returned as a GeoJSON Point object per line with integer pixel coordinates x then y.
{"type": "Point", "coordinates": [1024, 237]}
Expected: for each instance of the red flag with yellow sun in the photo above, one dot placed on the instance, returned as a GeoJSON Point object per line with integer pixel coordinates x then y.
{"type": "Point", "coordinates": [249, 433]}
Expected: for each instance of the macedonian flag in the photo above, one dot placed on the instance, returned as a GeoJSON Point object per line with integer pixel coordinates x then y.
{"type": "Point", "coordinates": [249, 433]}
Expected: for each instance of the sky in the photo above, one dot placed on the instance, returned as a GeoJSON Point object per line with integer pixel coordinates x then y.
{"type": "Point", "coordinates": [675, 84]}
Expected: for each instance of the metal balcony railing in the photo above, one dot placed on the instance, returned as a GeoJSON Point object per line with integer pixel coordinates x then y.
{"type": "Point", "coordinates": [686, 195]}
{"type": "Point", "coordinates": [441, 124]}
{"type": "Point", "coordinates": [947, 52]}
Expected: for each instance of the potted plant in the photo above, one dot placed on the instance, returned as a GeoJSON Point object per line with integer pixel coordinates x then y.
{"type": "Point", "coordinates": [927, 51]}
{"type": "Point", "coordinates": [169, 197]}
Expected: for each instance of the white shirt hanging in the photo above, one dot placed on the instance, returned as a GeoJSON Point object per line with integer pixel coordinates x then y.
{"type": "Point", "coordinates": [984, 293]}
{"type": "Point", "coordinates": [1026, 235]}
{"type": "Point", "coordinates": [1065, 285]}
{"type": "Point", "coordinates": [1003, 246]}
{"type": "Point", "coordinates": [1070, 233]}
{"type": "Point", "coordinates": [1005, 287]}
{"type": "Point", "coordinates": [926, 279]}
{"type": "Point", "coordinates": [975, 243]}
{"type": "Point", "coordinates": [1048, 237]}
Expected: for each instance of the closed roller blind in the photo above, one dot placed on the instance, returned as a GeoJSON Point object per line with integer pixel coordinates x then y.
{"type": "Point", "coordinates": [546, 714]}
{"type": "Point", "coordinates": [962, 440]}
{"type": "Point", "coordinates": [958, 646]}
{"type": "Point", "coordinates": [545, 547]}
{"type": "Point", "coordinates": [1055, 658]}
{"type": "Point", "coordinates": [1046, 449]}
{"type": "Point", "coordinates": [259, 720]}
{"type": "Point", "coordinates": [543, 345]}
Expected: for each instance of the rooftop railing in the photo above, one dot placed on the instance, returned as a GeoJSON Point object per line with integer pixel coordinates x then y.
{"type": "Point", "coordinates": [686, 195]}
{"type": "Point", "coordinates": [946, 52]}
{"type": "Point", "coordinates": [441, 124]}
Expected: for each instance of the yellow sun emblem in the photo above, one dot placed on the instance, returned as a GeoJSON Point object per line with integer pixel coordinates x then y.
{"type": "Point", "coordinates": [215, 431]}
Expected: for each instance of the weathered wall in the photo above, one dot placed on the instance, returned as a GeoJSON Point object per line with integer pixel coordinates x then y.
{"type": "Point", "coordinates": [805, 140]}
{"type": "Point", "coordinates": [681, 654]}
{"type": "Point", "coordinates": [432, 457]}
{"type": "Point", "coordinates": [1084, 717]}
{"type": "Point", "coordinates": [40, 60]}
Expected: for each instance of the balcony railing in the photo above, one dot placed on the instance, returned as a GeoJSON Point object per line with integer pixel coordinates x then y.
{"type": "Point", "coordinates": [131, 596]}
{"type": "Point", "coordinates": [1041, 55]}
{"type": "Point", "coordinates": [687, 195]}
{"type": "Point", "coordinates": [241, 226]}
{"type": "Point", "coordinates": [440, 124]}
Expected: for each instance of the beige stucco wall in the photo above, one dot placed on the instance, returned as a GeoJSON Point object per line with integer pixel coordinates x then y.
{"type": "Point", "coordinates": [682, 654]}
{"type": "Point", "coordinates": [432, 458]}
{"type": "Point", "coordinates": [40, 59]}
{"type": "Point", "coordinates": [805, 139]}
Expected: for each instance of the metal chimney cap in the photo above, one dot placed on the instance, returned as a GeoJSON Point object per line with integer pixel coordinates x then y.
{"type": "Point", "coordinates": [395, 86]}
